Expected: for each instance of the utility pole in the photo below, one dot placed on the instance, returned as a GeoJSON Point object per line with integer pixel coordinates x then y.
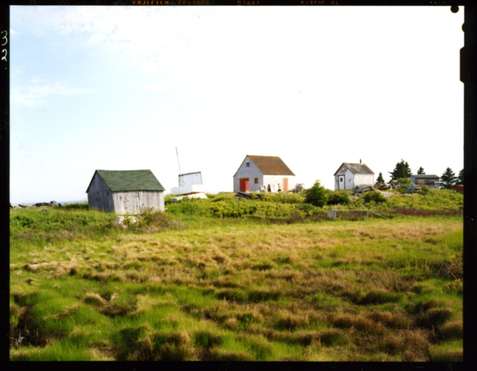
{"type": "Point", "coordinates": [178, 163]}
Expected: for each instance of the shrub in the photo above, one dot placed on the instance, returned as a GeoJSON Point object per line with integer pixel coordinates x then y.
{"type": "Point", "coordinates": [316, 195]}
{"type": "Point", "coordinates": [373, 196]}
{"type": "Point", "coordinates": [283, 197]}
{"type": "Point", "coordinates": [338, 198]}
{"type": "Point", "coordinates": [403, 184]}
{"type": "Point", "coordinates": [307, 209]}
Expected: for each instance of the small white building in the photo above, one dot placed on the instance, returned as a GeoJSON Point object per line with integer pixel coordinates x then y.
{"type": "Point", "coordinates": [263, 173]}
{"type": "Point", "coordinates": [190, 186]}
{"type": "Point", "coordinates": [350, 175]}
{"type": "Point", "coordinates": [125, 191]}
{"type": "Point", "coordinates": [189, 183]}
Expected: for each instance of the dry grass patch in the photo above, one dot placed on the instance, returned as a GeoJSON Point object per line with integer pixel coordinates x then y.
{"type": "Point", "coordinates": [451, 330]}
{"type": "Point", "coordinates": [394, 320]}
{"type": "Point", "coordinates": [143, 344]}
{"type": "Point", "coordinates": [358, 322]}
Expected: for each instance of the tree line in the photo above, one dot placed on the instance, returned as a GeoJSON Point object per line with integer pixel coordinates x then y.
{"type": "Point", "coordinates": [402, 172]}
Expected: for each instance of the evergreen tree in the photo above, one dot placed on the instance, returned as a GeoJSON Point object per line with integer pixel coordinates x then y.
{"type": "Point", "coordinates": [380, 179]}
{"type": "Point", "coordinates": [401, 170]}
{"type": "Point", "coordinates": [420, 171]}
{"type": "Point", "coordinates": [448, 178]}
{"type": "Point", "coordinates": [380, 184]}
{"type": "Point", "coordinates": [461, 177]}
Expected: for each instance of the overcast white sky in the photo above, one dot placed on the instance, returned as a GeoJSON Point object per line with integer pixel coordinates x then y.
{"type": "Point", "coordinates": [121, 87]}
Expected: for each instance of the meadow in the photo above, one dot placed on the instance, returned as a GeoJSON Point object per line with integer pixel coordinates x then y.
{"type": "Point", "coordinates": [228, 279]}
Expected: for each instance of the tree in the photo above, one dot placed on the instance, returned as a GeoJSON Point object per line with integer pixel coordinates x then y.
{"type": "Point", "coordinates": [316, 195]}
{"type": "Point", "coordinates": [461, 177]}
{"type": "Point", "coordinates": [420, 171]}
{"type": "Point", "coordinates": [380, 184]}
{"type": "Point", "coordinates": [401, 170]}
{"type": "Point", "coordinates": [448, 178]}
{"type": "Point", "coordinates": [380, 179]}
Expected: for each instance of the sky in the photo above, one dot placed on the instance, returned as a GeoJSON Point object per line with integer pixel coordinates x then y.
{"type": "Point", "coordinates": [119, 88]}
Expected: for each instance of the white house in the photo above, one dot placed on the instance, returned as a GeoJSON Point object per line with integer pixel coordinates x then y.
{"type": "Point", "coordinates": [350, 175]}
{"type": "Point", "coordinates": [125, 191]}
{"type": "Point", "coordinates": [263, 173]}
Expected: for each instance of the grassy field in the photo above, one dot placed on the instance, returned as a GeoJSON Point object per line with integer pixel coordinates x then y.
{"type": "Point", "coordinates": [194, 284]}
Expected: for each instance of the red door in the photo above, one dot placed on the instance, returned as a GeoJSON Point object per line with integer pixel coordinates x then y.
{"type": "Point", "coordinates": [285, 184]}
{"type": "Point", "coordinates": [244, 184]}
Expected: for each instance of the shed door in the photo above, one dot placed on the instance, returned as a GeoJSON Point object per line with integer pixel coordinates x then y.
{"type": "Point", "coordinates": [285, 184]}
{"type": "Point", "coordinates": [341, 182]}
{"type": "Point", "coordinates": [244, 185]}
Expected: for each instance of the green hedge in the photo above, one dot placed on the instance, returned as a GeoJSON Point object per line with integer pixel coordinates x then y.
{"type": "Point", "coordinates": [237, 208]}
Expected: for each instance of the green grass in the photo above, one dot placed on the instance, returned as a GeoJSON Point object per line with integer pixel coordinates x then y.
{"type": "Point", "coordinates": [185, 285]}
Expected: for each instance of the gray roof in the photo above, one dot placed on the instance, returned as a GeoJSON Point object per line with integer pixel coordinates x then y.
{"type": "Point", "coordinates": [129, 180]}
{"type": "Point", "coordinates": [354, 168]}
{"type": "Point", "coordinates": [425, 176]}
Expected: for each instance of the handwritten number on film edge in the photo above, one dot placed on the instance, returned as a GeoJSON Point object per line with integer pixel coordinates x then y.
{"type": "Point", "coordinates": [4, 38]}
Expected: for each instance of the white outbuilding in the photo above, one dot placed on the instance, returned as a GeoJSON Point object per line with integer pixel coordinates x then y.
{"type": "Point", "coordinates": [125, 191]}
{"type": "Point", "coordinates": [351, 175]}
{"type": "Point", "coordinates": [190, 185]}
{"type": "Point", "coordinates": [263, 173]}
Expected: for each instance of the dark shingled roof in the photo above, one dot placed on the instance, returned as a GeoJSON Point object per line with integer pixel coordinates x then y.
{"type": "Point", "coordinates": [425, 176]}
{"type": "Point", "coordinates": [270, 165]}
{"type": "Point", "coordinates": [355, 168]}
{"type": "Point", "coordinates": [129, 180]}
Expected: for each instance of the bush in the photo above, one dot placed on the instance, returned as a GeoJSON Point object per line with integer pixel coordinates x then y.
{"type": "Point", "coordinates": [316, 195]}
{"type": "Point", "coordinates": [403, 184]}
{"type": "Point", "coordinates": [282, 197]}
{"type": "Point", "coordinates": [373, 196]}
{"type": "Point", "coordinates": [338, 198]}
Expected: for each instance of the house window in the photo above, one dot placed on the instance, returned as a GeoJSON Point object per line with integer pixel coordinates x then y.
{"type": "Point", "coordinates": [247, 164]}
{"type": "Point", "coordinates": [255, 180]}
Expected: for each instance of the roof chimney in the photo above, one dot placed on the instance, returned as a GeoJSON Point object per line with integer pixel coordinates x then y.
{"type": "Point", "coordinates": [360, 161]}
